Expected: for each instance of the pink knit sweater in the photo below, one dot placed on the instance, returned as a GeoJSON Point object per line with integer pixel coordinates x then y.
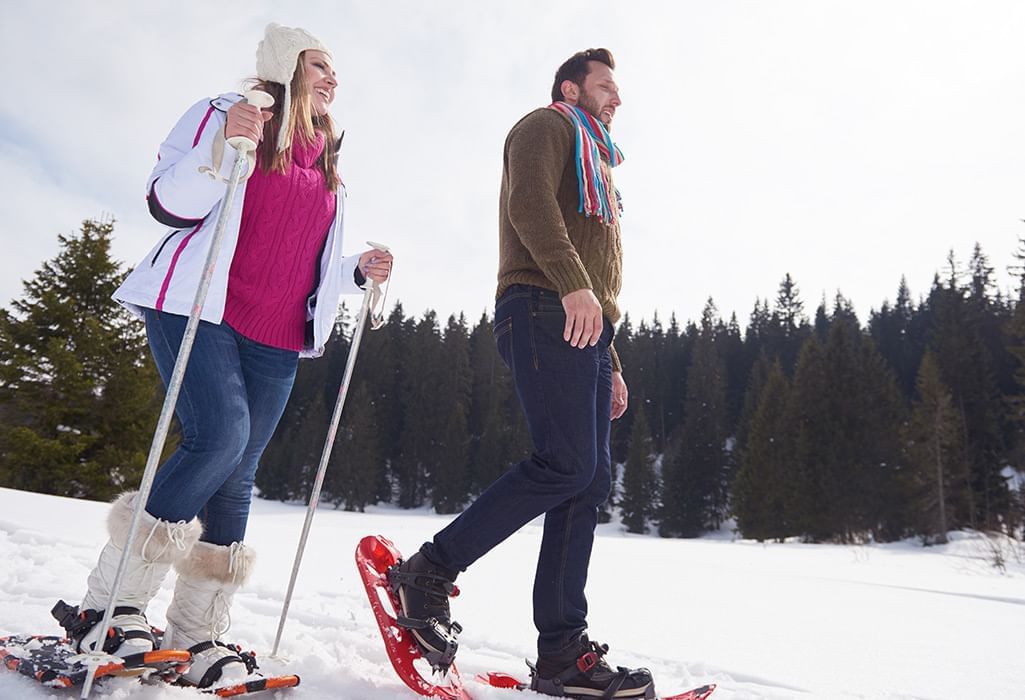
{"type": "Point", "coordinates": [285, 221]}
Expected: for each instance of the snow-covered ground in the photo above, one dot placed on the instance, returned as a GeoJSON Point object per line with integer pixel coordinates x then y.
{"type": "Point", "coordinates": [762, 621]}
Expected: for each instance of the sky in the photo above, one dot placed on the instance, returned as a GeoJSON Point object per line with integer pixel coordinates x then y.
{"type": "Point", "coordinates": [763, 621]}
{"type": "Point", "coordinates": [845, 143]}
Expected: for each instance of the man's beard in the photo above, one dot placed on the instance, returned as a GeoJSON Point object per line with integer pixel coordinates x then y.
{"type": "Point", "coordinates": [591, 106]}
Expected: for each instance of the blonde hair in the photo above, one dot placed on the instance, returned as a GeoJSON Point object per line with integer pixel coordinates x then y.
{"type": "Point", "coordinates": [303, 123]}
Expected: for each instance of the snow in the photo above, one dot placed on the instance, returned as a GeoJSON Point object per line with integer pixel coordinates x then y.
{"type": "Point", "coordinates": [762, 621]}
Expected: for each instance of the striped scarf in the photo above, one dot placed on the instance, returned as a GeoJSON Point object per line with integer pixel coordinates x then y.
{"type": "Point", "coordinates": [594, 142]}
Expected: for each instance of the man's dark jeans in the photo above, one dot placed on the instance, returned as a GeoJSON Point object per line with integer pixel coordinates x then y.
{"type": "Point", "coordinates": [566, 394]}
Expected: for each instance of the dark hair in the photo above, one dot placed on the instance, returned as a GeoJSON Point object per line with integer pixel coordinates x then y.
{"type": "Point", "coordinates": [576, 69]}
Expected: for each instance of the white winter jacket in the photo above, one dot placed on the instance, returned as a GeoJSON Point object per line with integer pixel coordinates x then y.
{"type": "Point", "coordinates": [188, 183]}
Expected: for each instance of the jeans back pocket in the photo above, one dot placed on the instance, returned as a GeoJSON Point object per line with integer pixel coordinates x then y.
{"type": "Point", "coordinates": [503, 339]}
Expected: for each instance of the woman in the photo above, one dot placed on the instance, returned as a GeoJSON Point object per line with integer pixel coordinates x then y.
{"type": "Point", "coordinates": [273, 298]}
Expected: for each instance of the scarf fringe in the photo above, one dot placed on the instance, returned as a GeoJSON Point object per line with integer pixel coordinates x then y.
{"type": "Point", "coordinates": [597, 195]}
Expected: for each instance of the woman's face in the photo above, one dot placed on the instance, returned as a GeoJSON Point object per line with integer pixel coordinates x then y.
{"type": "Point", "coordinates": [320, 80]}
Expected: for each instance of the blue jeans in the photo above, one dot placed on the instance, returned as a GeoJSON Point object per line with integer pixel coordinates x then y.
{"type": "Point", "coordinates": [566, 395]}
{"type": "Point", "coordinates": [232, 397]}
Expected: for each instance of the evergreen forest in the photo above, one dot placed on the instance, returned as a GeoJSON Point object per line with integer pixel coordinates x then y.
{"type": "Point", "coordinates": [800, 422]}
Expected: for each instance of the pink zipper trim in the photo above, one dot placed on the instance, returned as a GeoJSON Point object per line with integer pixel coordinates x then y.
{"type": "Point", "coordinates": [202, 124]}
{"type": "Point", "coordinates": [170, 268]}
{"type": "Point", "coordinates": [185, 241]}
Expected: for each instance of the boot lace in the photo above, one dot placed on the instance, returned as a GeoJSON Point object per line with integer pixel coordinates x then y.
{"type": "Point", "coordinates": [220, 606]}
{"type": "Point", "coordinates": [175, 537]}
{"type": "Point", "coordinates": [238, 563]}
{"type": "Point", "coordinates": [437, 590]}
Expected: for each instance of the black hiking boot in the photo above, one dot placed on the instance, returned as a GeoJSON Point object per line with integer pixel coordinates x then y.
{"type": "Point", "coordinates": [423, 590]}
{"type": "Point", "coordinates": [582, 673]}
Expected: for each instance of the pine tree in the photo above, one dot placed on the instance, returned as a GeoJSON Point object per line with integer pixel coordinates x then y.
{"type": "Point", "coordinates": [845, 413]}
{"type": "Point", "coordinates": [936, 466]}
{"type": "Point", "coordinates": [789, 307]}
{"type": "Point", "coordinates": [79, 396]}
{"type": "Point", "coordinates": [387, 350]}
{"type": "Point", "coordinates": [449, 461]}
{"type": "Point", "coordinates": [967, 369]}
{"type": "Point", "coordinates": [757, 377]}
{"type": "Point", "coordinates": [497, 428]}
{"type": "Point", "coordinates": [808, 420]}
{"type": "Point", "coordinates": [450, 476]}
{"type": "Point", "coordinates": [893, 331]}
{"type": "Point", "coordinates": [731, 344]}
{"type": "Point", "coordinates": [355, 466]}
{"type": "Point", "coordinates": [638, 499]}
{"type": "Point", "coordinates": [420, 424]}
{"type": "Point", "coordinates": [820, 327]}
{"type": "Point", "coordinates": [878, 415]}
{"type": "Point", "coordinates": [761, 487]}
{"type": "Point", "coordinates": [697, 472]}
{"type": "Point", "coordinates": [788, 324]}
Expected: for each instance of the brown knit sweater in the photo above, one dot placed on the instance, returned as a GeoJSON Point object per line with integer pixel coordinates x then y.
{"type": "Point", "coordinates": [543, 239]}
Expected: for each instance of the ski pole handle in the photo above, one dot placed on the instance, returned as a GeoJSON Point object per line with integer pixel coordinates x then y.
{"type": "Point", "coordinates": [260, 100]}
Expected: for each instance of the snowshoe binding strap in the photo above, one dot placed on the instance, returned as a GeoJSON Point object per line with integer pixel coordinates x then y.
{"type": "Point", "coordinates": [439, 659]}
{"type": "Point", "coordinates": [214, 672]}
{"type": "Point", "coordinates": [585, 666]}
{"type": "Point", "coordinates": [77, 624]}
{"type": "Point", "coordinates": [441, 650]}
{"type": "Point", "coordinates": [437, 585]}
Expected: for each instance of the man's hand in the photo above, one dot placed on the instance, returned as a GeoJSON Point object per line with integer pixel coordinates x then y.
{"type": "Point", "coordinates": [583, 318]}
{"type": "Point", "coordinates": [620, 395]}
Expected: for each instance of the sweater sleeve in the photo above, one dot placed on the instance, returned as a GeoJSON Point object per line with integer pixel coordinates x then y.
{"type": "Point", "coordinates": [616, 365]}
{"type": "Point", "coordinates": [537, 153]}
{"type": "Point", "coordinates": [186, 183]}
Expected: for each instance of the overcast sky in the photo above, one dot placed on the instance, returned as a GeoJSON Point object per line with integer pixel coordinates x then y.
{"type": "Point", "coordinates": [847, 143]}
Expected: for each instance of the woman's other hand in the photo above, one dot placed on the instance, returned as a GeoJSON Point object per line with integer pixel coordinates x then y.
{"type": "Point", "coordinates": [375, 265]}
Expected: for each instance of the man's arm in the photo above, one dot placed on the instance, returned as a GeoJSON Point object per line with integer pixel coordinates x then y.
{"type": "Point", "coordinates": [537, 152]}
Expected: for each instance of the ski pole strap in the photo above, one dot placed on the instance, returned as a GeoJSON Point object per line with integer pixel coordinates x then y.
{"type": "Point", "coordinates": [376, 308]}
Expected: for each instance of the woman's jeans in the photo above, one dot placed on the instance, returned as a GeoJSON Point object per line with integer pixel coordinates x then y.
{"type": "Point", "coordinates": [566, 395]}
{"type": "Point", "coordinates": [232, 397]}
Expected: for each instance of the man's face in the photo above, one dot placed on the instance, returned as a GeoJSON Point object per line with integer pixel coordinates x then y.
{"type": "Point", "coordinates": [599, 93]}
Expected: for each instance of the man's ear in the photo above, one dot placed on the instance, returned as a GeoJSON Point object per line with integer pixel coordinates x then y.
{"type": "Point", "coordinates": [570, 90]}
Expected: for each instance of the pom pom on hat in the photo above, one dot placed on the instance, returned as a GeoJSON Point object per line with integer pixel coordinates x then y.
{"type": "Point", "coordinates": [276, 59]}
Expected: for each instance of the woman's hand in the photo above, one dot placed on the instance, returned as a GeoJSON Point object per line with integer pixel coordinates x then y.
{"type": "Point", "coordinates": [375, 265]}
{"type": "Point", "coordinates": [246, 120]}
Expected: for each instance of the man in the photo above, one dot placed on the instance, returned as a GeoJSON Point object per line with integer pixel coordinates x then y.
{"type": "Point", "coordinates": [559, 274]}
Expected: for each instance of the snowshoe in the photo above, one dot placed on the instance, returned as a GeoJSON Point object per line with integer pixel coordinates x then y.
{"type": "Point", "coordinates": [497, 679]}
{"type": "Point", "coordinates": [375, 557]}
{"type": "Point", "coordinates": [583, 673]}
{"type": "Point", "coordinates": [255, 683]}
{"type": "Point", "coordinates": [57, 663]}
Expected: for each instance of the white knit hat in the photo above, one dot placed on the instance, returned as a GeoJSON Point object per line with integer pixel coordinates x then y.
{"type": "Point", "coordinates": [276, 59]}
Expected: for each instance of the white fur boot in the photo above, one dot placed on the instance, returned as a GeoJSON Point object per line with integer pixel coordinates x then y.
{"type": "Point", "coordinates": [199, 612]}
{"type": "Point", "coordinates": [157, 544]}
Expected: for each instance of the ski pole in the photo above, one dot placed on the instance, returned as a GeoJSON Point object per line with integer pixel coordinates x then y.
{"type": "Point", "coordinates": [243, 146]}
{"type": "Point", "coordinates": [369, 296]}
